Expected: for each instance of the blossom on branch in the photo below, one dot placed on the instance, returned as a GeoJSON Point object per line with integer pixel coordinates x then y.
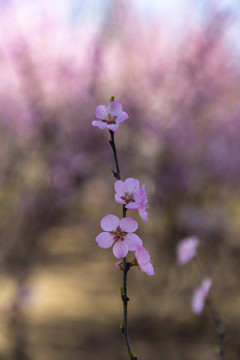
{"type": "Point", "coordinates": [200, 296]}
{"type": "Point", "coordinates": [110, 117]}
{"type": "Point", "coordinates": [120, 234]}
{"type": "Point", "coordinates": [186, 250]}
{"type": "Point", "coordinates": [129, 194]}
{"type": "Point", "coordinates": [142, 259]}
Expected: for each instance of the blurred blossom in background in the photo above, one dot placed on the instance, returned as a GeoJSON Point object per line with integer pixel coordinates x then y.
{"type": "Point", "coordinates": [174, 66]}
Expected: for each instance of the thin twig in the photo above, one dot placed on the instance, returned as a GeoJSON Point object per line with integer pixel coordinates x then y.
{"type": "Point", "coordinates": [126, 265]}
{"type": "Point", "coordinates": [112, 143]}
{"type": "Point", "coordinates": [220, 330]}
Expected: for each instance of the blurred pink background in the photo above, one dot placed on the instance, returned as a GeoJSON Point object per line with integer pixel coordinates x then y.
{"type": "Point", "coordinates": [176, 72]}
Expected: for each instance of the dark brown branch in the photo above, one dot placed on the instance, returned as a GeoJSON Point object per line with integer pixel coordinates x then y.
{"type": "Point", "coordinates": [126, 265]}
{"type": "Point", "coordinates": [112, 143]}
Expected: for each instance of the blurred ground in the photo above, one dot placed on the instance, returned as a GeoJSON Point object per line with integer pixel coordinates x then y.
{"type": "Point", "coordinates": [74, 308]}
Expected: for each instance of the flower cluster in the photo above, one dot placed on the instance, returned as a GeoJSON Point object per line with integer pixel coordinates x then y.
{"type": "Point", "coordinates": [119, 233]}
{"type": "Point", "coordinates": [132, 196]}
{"type": "Point", "coordinates": [186, 251]}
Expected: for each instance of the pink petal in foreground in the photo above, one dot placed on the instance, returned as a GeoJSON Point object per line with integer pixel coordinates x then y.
{"type": "Point", "coordinates": [119, 200]}
{"type": "Point", "coordinates": [142, 212]}
{"type": "Point", "coordinates": [123, 116]}
{"type": "Point", "coordinates": [113, 127]}
{"type": "Point", "coordinates": [143, 261]}
{"type": "Point", "coordinates": [142, 255]}
{"type": "Point", "coordinates": [148, 269]}
{"type": "Point", "coordinates": [119, 187]}
{"type": "Point", "coordinates": [105, 240]}
{"type": "Point", "coordinates": [101, 112]}
{"type": "Point", "coordinates": [140, 196]}
{"type": "Point", "coordinates": [99, 124]}
{"type": "Point", "coordinates": [109, 222]}
{"type": "Point", "coordinates": [142, 209]}
{"type": "Point", "coordinates": [115, 108]}
{"type": "Point", "coordinates": [131, 185]}
{"type": "Point", "coordinates": [132, 206]}
{"type": "Point", "coordinates": [128, 224]}
{"type": "Point", "coordinates": [120, 249]}
{"type": "Point", "coordinates": [133, 241]}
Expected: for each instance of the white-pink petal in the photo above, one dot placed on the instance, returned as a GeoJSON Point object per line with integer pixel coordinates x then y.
{"type": "Point", "coordinates": [143, 260]}
{"type": "Point", "coordinates": [142, 255]}
{"type": "Point", "coordinates": [142, 212]}
{"type": "Point", "coordinates": [115, 108]}
{"type": "Point", "coordinates": [131, 185]}
{"type": "Point", "coordinates": [133, 241]}
{"type": "Point", "coordinates": [119, 200]}
{"type": "Point", "coordinates": [120, 249]}
{"type": "Point", "coordinates": [109, 222]}
{"type": "Point", "coordinates": [123, 116]}
{"type": "Point", "coordinates": [132, 205]}
{"type": "Point", "coordinates": [128, 224]}
{"type": "Point", "coordinates": [100, 124]}
{"type": "Point", "coordinates": [119, 187]}
{"type": "Point", "coordinates": [101, 112]}
{"type": "Point", "coordinates": [113, 127]}
{"type": "Point", "coordinates": [143, 188]}
{"type": "Point", "coordinates": [105, 240]}
{"type": "Point", "coordinates": [140, 196]}
{"type": "Point", "coordinates": [148, 269]}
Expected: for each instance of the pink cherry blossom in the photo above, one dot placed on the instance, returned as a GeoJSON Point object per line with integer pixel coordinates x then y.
{"type": "Point", "coordinates": [133, 197]}
{"type": "Point", "coordinates": [110, 117]}
{"type": "Point", "coordinates": [186, 250]}
{"type": "Point", "coordinates": [200, 296]}
{"type": "Point", "coordinates": [128, 193]}
{"type": "Point", "coordinates": [120, 234]}
{"type": "Point", "coordinates": [143, 261]}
